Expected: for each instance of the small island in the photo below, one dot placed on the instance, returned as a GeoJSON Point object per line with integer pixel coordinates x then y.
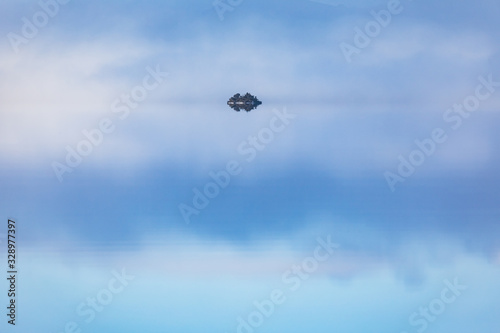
{"type": "Point", "coordinates": [247, 102]}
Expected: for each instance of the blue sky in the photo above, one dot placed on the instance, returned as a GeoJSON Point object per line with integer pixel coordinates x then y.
{"type": "Point", "coordinates": [322, 174]}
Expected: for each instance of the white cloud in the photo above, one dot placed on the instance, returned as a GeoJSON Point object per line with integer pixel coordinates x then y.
{"type": "Point", "coordinates": [184, 273]}
{"type": "Point", "coordinates": [343, 123]}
